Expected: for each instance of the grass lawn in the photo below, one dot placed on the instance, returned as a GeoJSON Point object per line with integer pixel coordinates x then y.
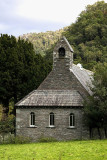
{"type": "Point", "coordinates": [73, 150]}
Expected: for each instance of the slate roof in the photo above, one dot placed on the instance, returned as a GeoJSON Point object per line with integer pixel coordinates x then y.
{"type": "Point", "coordinates": [52, 98]}
{"type": "Point", "coordinates": [84, 76]}
{"type": "Point", "coordinates": [60, 97]}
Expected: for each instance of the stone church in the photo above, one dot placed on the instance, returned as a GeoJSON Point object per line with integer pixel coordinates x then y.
{"type": "Point", "coordinates": [55, 109]}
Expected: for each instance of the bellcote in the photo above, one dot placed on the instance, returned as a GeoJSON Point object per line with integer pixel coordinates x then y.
{"type": "Point", "coordinates": [63, 52]}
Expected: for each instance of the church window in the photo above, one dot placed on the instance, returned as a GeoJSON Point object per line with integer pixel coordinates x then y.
{"type": "Point", "coordinates": [51, 119]}
{"type": "Point", "coordinates": [71, 120]}
{"type": "Point", "coordinates": [32, 119]}
{"type": "Point", "coordinates": [61, 52]}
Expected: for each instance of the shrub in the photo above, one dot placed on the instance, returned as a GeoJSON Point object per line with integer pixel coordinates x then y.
{"type": "Point", "coordinates": [7, 125]}
{"type": "Point", "coordinates": [16, 140]}
{"type": "Point", "coordinates": [47, 139]}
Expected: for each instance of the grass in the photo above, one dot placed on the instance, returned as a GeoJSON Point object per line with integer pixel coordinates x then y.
{"type": "Point", "coordinates": [73, 150]}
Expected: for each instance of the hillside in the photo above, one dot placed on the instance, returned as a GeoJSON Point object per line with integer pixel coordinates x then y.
{"type": "Point", "coordinates": [88, 35]}
{"type": "Point", "coordinates": [44, 40]}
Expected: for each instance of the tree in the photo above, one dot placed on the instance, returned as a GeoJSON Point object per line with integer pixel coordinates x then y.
{"type": "Point", "coordinates": [88, 35]}
{"type": "Point", "coordinates": [17, 61]}
{"type": "Point", "coordinates": [21, 70]}
{"type": "Point", "coordinates": [7, 57]}
{"type": "Point", "coordinates": [7, 126]}
{"type": "Point", "coordinates": [95, 107]}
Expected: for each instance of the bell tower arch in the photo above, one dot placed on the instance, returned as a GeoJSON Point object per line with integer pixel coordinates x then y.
{"type": "Point", "coordinates": [62, 54]}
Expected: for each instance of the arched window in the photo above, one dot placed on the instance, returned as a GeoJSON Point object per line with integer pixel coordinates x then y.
{"type": "Point", "coordinates": [51, 119]}
{"type": "Point", "coordinates": [32, 119]}
{"type": "Point", "coordinates": [71, 120]}
{"type": "Point", "coordinates": [61, 52]}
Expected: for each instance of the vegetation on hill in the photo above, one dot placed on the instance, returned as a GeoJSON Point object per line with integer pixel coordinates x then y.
{"type": "Point", "coordinates": [44, 40]}
{"type": "Point", "coordinates": [88, 35]}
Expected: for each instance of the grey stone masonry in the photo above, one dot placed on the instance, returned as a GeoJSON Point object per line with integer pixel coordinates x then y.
{"type": "Point", "coordinates": [63, 43]}
{"type": "Point", "coordinates": [61, 129]}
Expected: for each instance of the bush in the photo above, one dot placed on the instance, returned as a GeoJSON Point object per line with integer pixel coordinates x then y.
{"type": "Point", "coordinates": [16, 140]}
{"type": "Point", "coordinates": [47, 139]}
{"type": "Point", "coordinates": [7, 126]}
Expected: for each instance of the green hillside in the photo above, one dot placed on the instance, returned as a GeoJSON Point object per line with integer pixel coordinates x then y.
{"type": "Point", "coordinates": [44, 40]}
{"type": "Point", "coordinates": [88, 35]}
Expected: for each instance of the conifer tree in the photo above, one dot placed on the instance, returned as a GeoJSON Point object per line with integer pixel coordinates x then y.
{"type": "Point", "coordinates": [21, 70]}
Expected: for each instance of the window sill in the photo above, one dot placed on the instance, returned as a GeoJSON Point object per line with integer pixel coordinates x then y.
{"type": "Point", "coordinates": [51, 127]}
{"type": "Point", "coordinates": [71, 127]}
{"type": "Point", "coordinates": [32, 126]}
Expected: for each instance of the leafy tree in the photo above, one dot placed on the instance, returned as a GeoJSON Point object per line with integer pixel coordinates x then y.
{"type": "Point", "coordinates": [96, 106]}
{"type": "Point", "coordinates": [88, 35]}
{"type": "Point", "coordinates": [7, 126]}
{"type": "Point", "coordinates": [21, 70]}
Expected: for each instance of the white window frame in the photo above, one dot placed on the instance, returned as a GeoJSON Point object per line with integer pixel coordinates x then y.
{"type": "Point", "coordinates": [31, 119]}
{"type": "Point", "coordinates": [73, 120]}
{"type": "Point", "coordinates": [50, 120]}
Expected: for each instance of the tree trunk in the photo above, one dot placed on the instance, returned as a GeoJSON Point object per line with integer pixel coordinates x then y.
{"type": "Point", "coordinates": [105, 131]}
{"type": "Point", "coordinates": [90, 129]}
{"type": "Point", "coordinates": [15, 101]}
{"type": "Point", "coordinates": [99, 133]}
{"type": "Point", "coordinates": [14, 111]}
{"type": "Point", "coordinates": [5, 110]}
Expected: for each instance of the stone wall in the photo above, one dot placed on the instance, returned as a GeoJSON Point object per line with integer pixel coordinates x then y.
{"type": "Point", "coordinates": [61, 129]}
